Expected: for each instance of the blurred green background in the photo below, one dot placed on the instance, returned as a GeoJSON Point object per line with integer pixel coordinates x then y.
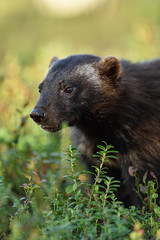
{"type": "Point", "coordinates": [31, 32]}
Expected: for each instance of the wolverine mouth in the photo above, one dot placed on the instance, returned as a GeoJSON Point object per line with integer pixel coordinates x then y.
{"type": "Point", "coordinates": [49, 128]}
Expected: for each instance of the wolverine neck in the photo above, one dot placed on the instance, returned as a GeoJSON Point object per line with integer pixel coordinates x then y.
{"type": "Point", "coordinates": [110, 133]}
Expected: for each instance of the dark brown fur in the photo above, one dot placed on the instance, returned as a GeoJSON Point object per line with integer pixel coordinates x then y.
{"type": "Point", "coordinates": [111, 100]}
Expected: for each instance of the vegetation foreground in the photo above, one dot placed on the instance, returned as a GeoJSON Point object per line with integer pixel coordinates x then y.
{"type": "Point", "coordinates": [55, 201]}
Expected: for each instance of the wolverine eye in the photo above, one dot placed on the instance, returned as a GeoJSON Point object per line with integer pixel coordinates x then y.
{"type": "Point", "coordinates": [68, 90]}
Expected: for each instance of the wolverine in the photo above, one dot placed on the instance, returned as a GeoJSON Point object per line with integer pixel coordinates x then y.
{"type": "Point", "coordinates": [111, 100]}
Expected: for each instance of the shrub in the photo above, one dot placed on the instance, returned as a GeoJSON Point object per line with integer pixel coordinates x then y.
{"type": "Point", "coordinates": [75, 209]}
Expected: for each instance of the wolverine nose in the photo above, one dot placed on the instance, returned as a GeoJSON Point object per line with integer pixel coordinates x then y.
{"type": "Point", "coordinates": [37, 115]}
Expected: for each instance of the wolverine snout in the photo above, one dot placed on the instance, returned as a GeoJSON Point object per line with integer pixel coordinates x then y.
{"type": "Point", "coordinates": [37, 115]}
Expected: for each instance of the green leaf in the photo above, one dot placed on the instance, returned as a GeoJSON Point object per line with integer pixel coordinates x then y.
{"type": "Point", "coordinates": [154, 196]}
{"type": "Point", "coordinates": [27, 176]}
{"type": "Point", "coordinates": [112, 151]}
{"type": "Point", "coordinates": [79, 192]}
{"type": "Point", "coordinates": [101, 152]}
{"type": "Point", "coordinates": [86, 171]}
{"type": "Point", "coordinates": [111, 156]}
{"type": "Point", "coordinates": [96, 188]}
{"type": "Point", "coordinates": [75, 186]}
{"type": "Point", "coordinates": [96, 155]}
{"type": "Point", "coordinates": [69, 189]}
{"type": "Point", "coordinates": [101, 147]}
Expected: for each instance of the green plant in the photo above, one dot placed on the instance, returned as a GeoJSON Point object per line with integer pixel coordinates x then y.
{"type": "Point", "coordinates": [81, 211]}
{"type": "Point", "coordinates": [150, 209]}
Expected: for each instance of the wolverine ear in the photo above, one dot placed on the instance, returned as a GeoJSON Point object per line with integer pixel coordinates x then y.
{"type": "Point", "coordinates": [110, 67]}
{"type": "Point", "coordinates": [54, 59]}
